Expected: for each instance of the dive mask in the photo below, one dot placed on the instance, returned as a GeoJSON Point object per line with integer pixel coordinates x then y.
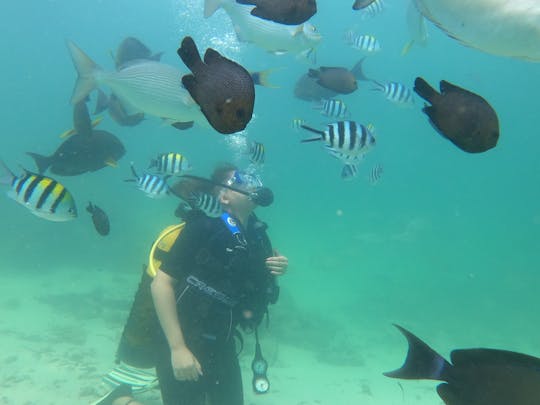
{"type": "Point", "coordinates": [252, 186]}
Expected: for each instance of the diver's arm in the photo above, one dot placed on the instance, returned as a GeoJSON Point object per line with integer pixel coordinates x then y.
{"type": "Point", "coordinates": [165, 303]}
{"type": "Point", "coordinates": [184, 364]}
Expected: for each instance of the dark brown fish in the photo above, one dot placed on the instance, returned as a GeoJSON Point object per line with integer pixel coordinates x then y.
{"type": "Point", "coordinates": [462, 117]}
{"type": "Point", "coordinates": [360, 4]}
{"type": "Point", "coordinates": [338, 79]}
{"type": "Point", "coordinates": [289, 12]}
{"type": "Point", "coordinates": [86, 151]}
{"type": "Point", "coordinates": [99, 218]}
{"type": "Point", "coordinates": [222, 88]}
{"type": "Point", "coordinates": [131, 49]}
{"type": "Point", "coordinates": [476, 376]}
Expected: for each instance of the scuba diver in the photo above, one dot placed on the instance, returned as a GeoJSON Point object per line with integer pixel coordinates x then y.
{"type": "Point", "coordinates": [218, 274]}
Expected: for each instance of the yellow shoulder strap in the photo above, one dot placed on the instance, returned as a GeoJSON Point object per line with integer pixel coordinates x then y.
{"type": "Point", "coordinates": [164, 243]}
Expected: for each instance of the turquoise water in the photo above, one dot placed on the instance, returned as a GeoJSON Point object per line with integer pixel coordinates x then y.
{"type": "Point", "coordinates": [446, 244]}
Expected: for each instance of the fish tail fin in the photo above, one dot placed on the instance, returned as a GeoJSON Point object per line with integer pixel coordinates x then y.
{"type": "Point", "coordinates": [421, 363]}
{"type": "Point", "coordinates": [210, 7]}
{"type": "Point", "coordinates": [317, 131]}
{"type": "Point", "coordinates": [6, 175]}
{"type": "Point", "coordinates": [86, 69]}
{"type": "Point", "coordinates": [133, 171]}
{"type": "Point", "coordinates": [90, 207]}
{"type": "Point", "coordinates": [424, 90]}
{"type": "Point", "coordinates": [189, 54]}
{"type": "Point", "coordinates": [358, 70]}
{"type": "Point", "coordinates": [261, 78]}
{"type": "Point", "coordinates": [378, 86]}
{"type": "Point", "coordinates": [42, 162]}
{"type": "Point", "coordinates": [153, 163]}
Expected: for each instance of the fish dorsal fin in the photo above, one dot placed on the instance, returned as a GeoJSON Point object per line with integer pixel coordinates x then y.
{"type": "Point", "coordinates": [448, 87]}
{"type": "Point", "coordinates": [81, 119]}
{"type": "Point", "coordinates": [479, 357]}
{"type": "Point", "coordinates": [189, 54]}
{"type": "Point", "coordinates": [212, 56]}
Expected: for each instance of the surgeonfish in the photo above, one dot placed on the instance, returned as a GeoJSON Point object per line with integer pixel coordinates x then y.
{"type": "Point", "coordinates": [333, 108]}
{"type": "Point", "coordinates": [99, 219]}
{"type": "Point", "coordinates": [288, 12]}
{"type": "Point", "coordinates": [461, 116]}
{"type": "Point", "coordinates": [171, 163]}
{"type": "Point", "coordinates": [395, 92]}
{"type": "Point", "coordinates": [150, 87]}
{"type": "Point", "coordinates": [207, 203]}
{"type": "Point", "coordinates": [132, 49]}
{"type": "Point", "coordinates": [338, 79]}
{"type": "Point", "coordinates": [222, 88]}
{"type": "Point", "coordinates": [345, 140]}
{"type": "Point", "coordinates": [366, 43]}
{"type": "Point", "coordinates": [41, 195]}
{"type": "Point", "coordinates": [88, 150]}
{"type": "Point", "coordinates": [152, 185]}
{"type": "Point", "coordinates": [256, 152]}
{"type": "Point", "coordinates": [500, 27]}
{"type": "Point", "coordinates": [475, 376]}
{"type": "Point", "coordinates": [271, 36]}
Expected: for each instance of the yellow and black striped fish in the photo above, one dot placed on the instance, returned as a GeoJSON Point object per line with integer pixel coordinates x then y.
{"type": "Point", "coordinates": [42, 195]}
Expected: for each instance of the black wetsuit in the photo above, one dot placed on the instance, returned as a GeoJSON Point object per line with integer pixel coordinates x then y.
{"type": "Point", "coordinates": [221, 274]}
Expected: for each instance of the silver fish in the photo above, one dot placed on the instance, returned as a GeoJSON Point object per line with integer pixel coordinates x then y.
{"type": "Point", "coordinates": [271, 36]}
{"type": "Point", "coordinates": [395, 92]}
{"type": "Point", "coordinates": [500, 27]}
{"type": "Point", "coordinates": [151, 87]}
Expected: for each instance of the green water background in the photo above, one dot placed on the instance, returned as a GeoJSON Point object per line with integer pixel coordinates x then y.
{"type": "Point", "coordinates": [447, 244]}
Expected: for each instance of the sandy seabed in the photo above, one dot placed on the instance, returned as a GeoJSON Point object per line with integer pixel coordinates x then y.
{"type": "Point", "coordinates": [59, 335]}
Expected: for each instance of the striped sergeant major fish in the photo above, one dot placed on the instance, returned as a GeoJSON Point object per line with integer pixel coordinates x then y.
{"type": "Point", "coordinates": [297, 123]}
{"type": "Point", "coordinates": [375, 8]}
{"type": "Point", "coordinates": [42, 195]}
{"type": "Point", "coordinates": [395, 92]}
{"type": "Point", "coordinates": [375, 174]}
{"type": "Point", "coordinates": [154, 186]}
{"type": "Point", "coordinates": [333, 108]}
{"type": "Point", "coordinates": [170, 163]}
{"type": "Point", "coordinates": [366, 43]}
{"type": "Point", "coordinates": [346, 140]}
{"type": "Point", "coordinates": [256, 153]}
{"type": "Point", "coordinates": [207, 203]}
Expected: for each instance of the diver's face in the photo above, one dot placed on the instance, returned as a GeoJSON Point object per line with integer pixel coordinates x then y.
{"type": "Point", "coordinates": [236, 201]}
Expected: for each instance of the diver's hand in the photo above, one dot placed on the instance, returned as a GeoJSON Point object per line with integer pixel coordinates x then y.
{"type": "Point", "coordinates": [185, 365]}
{"type": "Point", "coordinates": [277, 264]}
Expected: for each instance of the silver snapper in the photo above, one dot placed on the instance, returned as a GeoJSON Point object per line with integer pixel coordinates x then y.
{"type": "Point", "coordinates": [148, 86]}
{"type": "Point", "coordinates": [271, 36]}
{"type": "Point", "coordinates": [500, 27]}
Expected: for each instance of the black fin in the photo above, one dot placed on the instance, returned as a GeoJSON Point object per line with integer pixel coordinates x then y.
{"type": "Point", "coordinates": [189, 82]}
{"type": "Point", "coordinates": [102, 102]}
{"type": "Point", "coordinates": [90, 208]}
{"type": "Point", "coordinates": [42, 162]}
{"type": "Point", "coordinates": [189, 54]}
{"type": "Point", "coordinates": [212, 56]}
{"type": "Point", "coordinates": [183, 125]}
{"type": "Point", "coordinates": [358, 71]}
{"type": "Point", "coordinates": [446, 87]}
{"type": "Point", "coordinates": [314, 73]}
{"type": "Point", "coordinates": [421, 363]}
{"type": "Point", "coordinates": [317, 131]}
{"type": "Point", "coordinates": [424, 90]}
{"type": "Point", "coordinates": [251, 2]}
{"type": "Point", "coordinates": [133, 171]}
{"type": "Point", "coordinates": [81, 119]}
{"type": "Point", "coordinates": [311, 140]}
